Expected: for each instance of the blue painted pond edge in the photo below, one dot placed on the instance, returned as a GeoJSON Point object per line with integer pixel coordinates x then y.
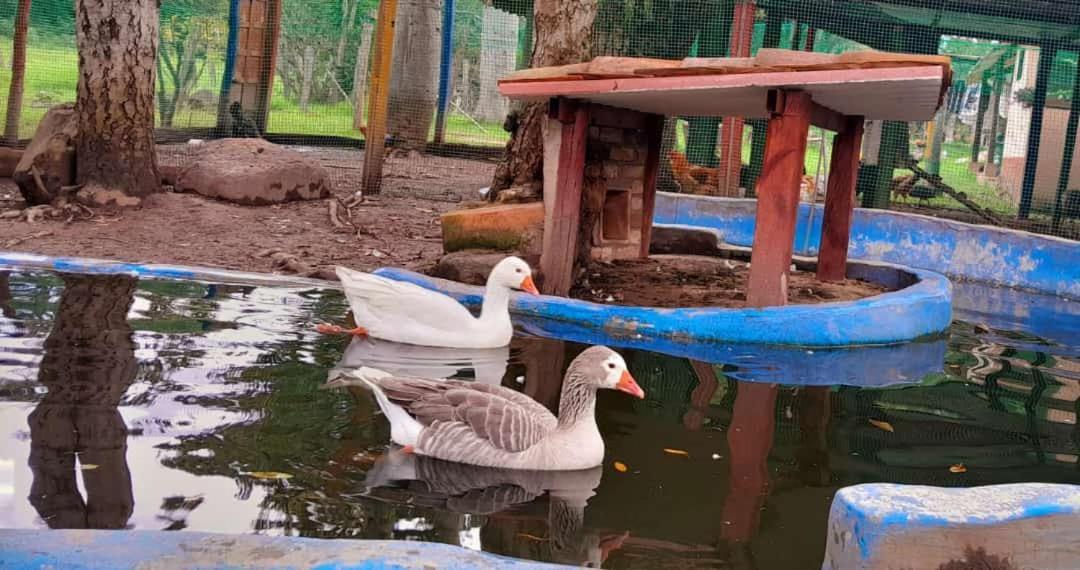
{"type": "Point", "coordinates": [985, 254]}
{"type": "Point", "coordinates": [877, 525]}
{"type": "Point", "coordinates": [86, 549]}
{"type": "Point", "coordinates": [922, 309]}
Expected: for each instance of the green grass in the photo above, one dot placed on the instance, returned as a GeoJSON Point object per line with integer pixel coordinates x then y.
{"type": "Point", "coordinates": [52, 78]}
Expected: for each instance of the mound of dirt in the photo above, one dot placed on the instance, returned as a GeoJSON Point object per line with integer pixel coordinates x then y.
{"type": "Point", "coordinates": [694, 281]}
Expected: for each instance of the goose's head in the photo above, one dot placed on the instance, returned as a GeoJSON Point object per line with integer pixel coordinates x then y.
{"type": "Point", "coordinates": [605, 369]}
{"type": "Point", "coordinates": [513, 273]}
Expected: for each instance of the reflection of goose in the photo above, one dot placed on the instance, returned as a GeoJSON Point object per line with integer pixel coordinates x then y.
{"type": "Point", "coordinates": [461, 488]}
{"type": "Point", "coordinates": [407, 360]}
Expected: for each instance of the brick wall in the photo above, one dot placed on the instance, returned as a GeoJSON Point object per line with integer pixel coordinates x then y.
{"type": "Point", "coordinates": [618, 148]}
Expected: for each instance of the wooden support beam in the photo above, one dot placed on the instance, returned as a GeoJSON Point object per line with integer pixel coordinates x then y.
{"type": "Point", "coordinates": [731, 134]}
{"type": "Point", "coordinates": [1038, 110]}
{"type": "Point", "coordinates": [562, 225]}
{"type": "Point", "coordinates": [980, 118]}
{"type": "Point", "coordinates": [778, 200]}
{"type": "Point", "coordinates": [840, 202]}
{"type": "Point", "coordinates": [379, 98]}
{"type": "Point", "coordinates": [654, 130]}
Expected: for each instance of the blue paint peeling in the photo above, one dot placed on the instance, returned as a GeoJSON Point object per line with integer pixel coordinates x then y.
{"type": "Point", "coordinates": [868, 514]}
{"type": "Point", "coordinates": [985, 254]}
{"type": "Point", "coordinates": [920, 310]}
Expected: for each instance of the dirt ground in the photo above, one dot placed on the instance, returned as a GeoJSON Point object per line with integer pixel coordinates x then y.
{"type": "Point", "coordinates": [399, 227]}
{"type": "Point", "coordinates": [694, 281]}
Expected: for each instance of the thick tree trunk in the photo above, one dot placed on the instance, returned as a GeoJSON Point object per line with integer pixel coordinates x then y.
{"type": "Point", "coordinates": [563, 30]}
{"type": "Point", "coordinates": [18, 73]}
{"type": "Point", "coordinates": [415, 80]}
{"type": "Point", "coordinates": [117, 42]}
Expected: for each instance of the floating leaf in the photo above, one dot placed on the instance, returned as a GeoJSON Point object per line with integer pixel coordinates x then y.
{"type": "Point", "coordinates": [671, 451]}
{"type": "Point", "coordinates": [88, 466]}
{"type": "Point", "coordinates": [882, 425]}
{"type": "Point", "coordinates": [268, 475]}
{"type": "Point", "coordinates": [620, 467]}
{"type": "Point", "coordinates": [958, 468]}
{"type": "Point", "coordinates": [533, 537]}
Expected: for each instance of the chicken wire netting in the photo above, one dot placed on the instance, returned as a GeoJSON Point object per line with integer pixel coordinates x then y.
{"type": "Point", "coordinates": [1015, 75]}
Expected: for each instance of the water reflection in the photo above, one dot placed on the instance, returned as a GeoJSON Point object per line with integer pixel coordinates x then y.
{"type": "Point", "coordinates": [200, 409]}
{"type": "Point", "coordinates": [76, 430]}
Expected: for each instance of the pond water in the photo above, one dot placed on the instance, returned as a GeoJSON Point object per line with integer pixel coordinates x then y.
{"type": "Point", "coordinates": [161, 405]}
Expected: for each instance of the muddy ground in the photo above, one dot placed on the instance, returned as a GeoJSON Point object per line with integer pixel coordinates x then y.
{"type": "Point", "coordinates": [694, 281]}
{"type": "Point", "coordinates": [399, 227]}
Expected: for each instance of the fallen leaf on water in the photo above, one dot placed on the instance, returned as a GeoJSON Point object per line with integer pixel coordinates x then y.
{"type": "Point", "coordinates": [671, 451]}
{"type": "Point", "coordinates": [882, 425]}
{"type": "Point", "coordinates": [620, 467]}
{"type": "Point", "coordinates": [88, 466]}
{"type": "Point", "coordinates": [268, 475]}
{"type": "Point", "coordinates": [958, 468]}
{"type": "Point", "coordinates": [532, 537]}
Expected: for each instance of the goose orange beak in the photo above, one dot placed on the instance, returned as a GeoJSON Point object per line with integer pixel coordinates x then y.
{"type": "Point", "coordinates": [528, 286]}
{"type": "Point", "coordinates": [630, 386]}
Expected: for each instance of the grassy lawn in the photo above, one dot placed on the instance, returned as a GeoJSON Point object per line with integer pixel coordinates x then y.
{"type": "Point", "coordinates": [52, 77]}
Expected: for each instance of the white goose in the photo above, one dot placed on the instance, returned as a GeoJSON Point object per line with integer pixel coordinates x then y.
{"type": "Point", "coordinates": [407, 313]}
{"type": "Point", "coordinates": [494, 426]}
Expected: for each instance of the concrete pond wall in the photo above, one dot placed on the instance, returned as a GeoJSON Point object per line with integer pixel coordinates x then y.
{"type": "Point", "coordinates": [986, 254]}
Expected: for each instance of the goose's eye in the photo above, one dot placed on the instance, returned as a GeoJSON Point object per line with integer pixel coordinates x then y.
{"type": "Point", "coordinates": [611, 365]}
{"type": "Point", "coordinates": [518, 270]}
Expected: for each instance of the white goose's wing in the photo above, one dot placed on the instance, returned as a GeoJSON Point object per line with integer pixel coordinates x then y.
{"type": "Point", "coordinates": [401, 304]}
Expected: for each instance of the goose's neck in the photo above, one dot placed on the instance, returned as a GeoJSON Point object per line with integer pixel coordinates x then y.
{"type": "Point", "coordinates": [578, 402]}
{"type": "Point", "coordinates": [496, 303]}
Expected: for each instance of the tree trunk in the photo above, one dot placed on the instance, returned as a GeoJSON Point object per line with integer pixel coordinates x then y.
{"type": "Point", "coordinates": [18, 73]}
{"type": "Point", "coordinates": [360, 75]}
{"type": "Point", "coordinates": [348, 15]}
{"type": "Point", "coordinates": [307, 70]}
{"type": "Point", "coordinates": [498, 47]}
{"type": "Point", "coordinates": [415, 81]}
{"type": "Point", "coordinates": [117, 43]}
{"type": "Point", "coordinates": [563, 36]}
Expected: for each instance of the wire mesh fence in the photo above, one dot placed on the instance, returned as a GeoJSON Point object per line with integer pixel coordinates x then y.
{"type": "Point", "coordinates": [302, 73]}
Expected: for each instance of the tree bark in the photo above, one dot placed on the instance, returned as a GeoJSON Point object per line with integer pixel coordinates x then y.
{"type": "Point", "coordinates": [415, 81]}
{"type": "Point", "coordinates": [360, 75]}
{"type": "Point", "coordinates": [18, 73]}
{"type": "Point", "coordinates": [117, 42]}
{"type": "Point", "coordinates": [307, 70]}
{"type": "Point", "coordinates": [563, 36]}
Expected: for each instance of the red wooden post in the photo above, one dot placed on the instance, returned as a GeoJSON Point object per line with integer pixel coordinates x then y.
{"type": "Point", "coordinates": [561, 231]}
{"type": "Point", "coordinates": [731, 134]}
{"type": "Point", "coordinates": [654, 129]}
{"type": "Point", "coordinates": [778, 198]}
{"type": "Point", "coordinates": [839, 202]}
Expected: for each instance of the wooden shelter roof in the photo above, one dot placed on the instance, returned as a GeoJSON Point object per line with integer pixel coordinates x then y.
{"type": "Point", "coordinates": [875, 85]}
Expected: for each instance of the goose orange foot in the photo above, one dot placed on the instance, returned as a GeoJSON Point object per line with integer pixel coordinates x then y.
{"type": "Point", "coordinates": [334, 329]}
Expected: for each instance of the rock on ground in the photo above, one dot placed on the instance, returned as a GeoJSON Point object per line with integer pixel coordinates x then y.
{"type": "Point", "coordinates": [253, 172]}
{"type": "Point", "coordinates": [473, 266]}
{"type": "Point", "coordinates": [48, 163]}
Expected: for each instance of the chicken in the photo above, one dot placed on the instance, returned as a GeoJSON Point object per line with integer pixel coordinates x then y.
{"type": "Point", "coordinates": [688, 175]}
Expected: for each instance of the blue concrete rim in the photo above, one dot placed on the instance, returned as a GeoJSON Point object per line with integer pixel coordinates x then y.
{"type": "Point", "coordinates": [992, 255]}
{"type": "Point", "coordinates": [914, 312]}
{"type": "Point", "coordinates": [134, 548]}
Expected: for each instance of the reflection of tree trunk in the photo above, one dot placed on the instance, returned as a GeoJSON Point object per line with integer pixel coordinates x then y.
{"type": "Point", "coordinates": [89, 363]}
{"type": "Point", "coordinates": [5, 295]}
{"type": "Point", "coordinates": [750, 439]}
